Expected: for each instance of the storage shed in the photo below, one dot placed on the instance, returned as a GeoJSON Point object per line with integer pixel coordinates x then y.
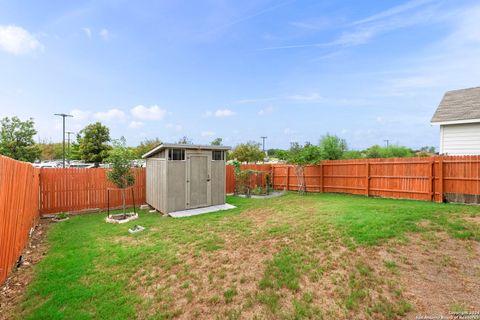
{"type": "Point", "coordinates": [181, 176]}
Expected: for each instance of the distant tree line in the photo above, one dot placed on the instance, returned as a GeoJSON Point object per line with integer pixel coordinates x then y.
{"type": "Point", "coordinates": [94, 145]}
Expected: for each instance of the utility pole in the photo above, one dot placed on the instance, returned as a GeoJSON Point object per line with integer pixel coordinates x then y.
{"type": "Point", "coordinates": [63, 115]}
{"type": "Point", "coordinates": [68, 142]}
{"type": "Point", "coordinates": [386, 142]}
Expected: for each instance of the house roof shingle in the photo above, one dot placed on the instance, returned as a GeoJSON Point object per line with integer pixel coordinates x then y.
{"type": "Point", "coordinates": [458, 105]}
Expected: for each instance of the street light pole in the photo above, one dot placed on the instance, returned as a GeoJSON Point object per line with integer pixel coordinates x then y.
{"type": "Point", "coordinates": [63, 115]}
{"type": "Point", "coordinates": [68, 142]}
{"type": "Point", "coordinates": [263, 143]}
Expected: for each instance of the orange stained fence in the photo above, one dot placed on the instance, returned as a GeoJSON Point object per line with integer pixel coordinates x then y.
{"type": "Point", "coordinates": [77, 189]}
{"type": "Point", "coordinates": [230, 174]}
{"type": "Point", "coordinates": [420, 178]}
{"type": "Point", "coordinates": [19, 183]}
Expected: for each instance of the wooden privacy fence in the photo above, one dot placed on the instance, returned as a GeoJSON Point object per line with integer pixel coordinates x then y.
{"type": "Point", "coordinates": [230, 174]}
{"type": "Point", "coordinates": [76, 189]}
{"type": "Point", "coordinates": [19, 183]}
{"type": "Point", "coordinates": [454, 178]}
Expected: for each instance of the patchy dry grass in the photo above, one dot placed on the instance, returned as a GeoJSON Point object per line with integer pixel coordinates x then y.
{"type": "Point", "coordinates": [318, 256]}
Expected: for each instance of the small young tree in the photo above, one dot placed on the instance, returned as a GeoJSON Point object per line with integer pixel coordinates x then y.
{"type": "Point", "coordinates": [121, 174]}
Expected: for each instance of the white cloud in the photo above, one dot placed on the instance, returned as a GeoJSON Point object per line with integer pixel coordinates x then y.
{"type": "Point", "coordinates": [17, 40]}
{"type": "Point", "coordinates": [207, 133]}
{"type": "Point", "coordinates": [148, 113]}
{"type": "Point", "coordinates": [88, 32]}
{"type": "Point", "coordinates": [105, 34]}
{"type": "Point", "coordinates": [265, 111]}
{"type": "Point", "coordinates": [307, 97]}
{"type": "Point", "coordinates": [175, 127]}
{"type": "Point", "coordinates": [112, 114]}
{"type": "Point", "coordinates": [393, 11]}
{"type": "Point", "coordinates": [79, 115]}
{"type": "Point", "coordinates": [136, 125]}
{"type": "Point", "coordinates": [221, 113]}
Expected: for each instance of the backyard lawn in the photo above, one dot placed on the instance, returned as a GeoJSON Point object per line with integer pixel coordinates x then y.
{"type": "Point", "coordinates": [294, 257]}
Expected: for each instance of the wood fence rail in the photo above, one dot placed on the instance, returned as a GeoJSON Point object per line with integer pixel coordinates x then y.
{"type": "Point", "coordinates": [19, 183]}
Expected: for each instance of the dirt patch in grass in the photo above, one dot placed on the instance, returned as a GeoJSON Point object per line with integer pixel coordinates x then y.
{"type": "Point", "coordinates": [440, 276]}
{"type": "Point", "coordinates": [12, 291]}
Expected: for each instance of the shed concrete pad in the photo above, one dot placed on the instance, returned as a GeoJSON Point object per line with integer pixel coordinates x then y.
{"type": "Point", "coordinates": [194, 212]}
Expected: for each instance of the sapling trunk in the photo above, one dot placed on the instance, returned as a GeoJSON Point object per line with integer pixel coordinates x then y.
{"type": "Point", "coordinates": [123, 201]}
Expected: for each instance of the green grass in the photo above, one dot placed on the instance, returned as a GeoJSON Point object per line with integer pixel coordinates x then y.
{"type": "Point", "coordinates": [94, 270]}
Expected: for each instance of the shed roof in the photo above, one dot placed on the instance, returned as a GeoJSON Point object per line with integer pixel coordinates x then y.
{"type": "Point", "coordinates": [458, 106]}
{"type": "Point", "coordinates": [184, 146]}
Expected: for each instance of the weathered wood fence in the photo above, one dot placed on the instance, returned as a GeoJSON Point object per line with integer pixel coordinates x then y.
{"type": "Point", "coordinates": [19, 184]}
{"type": "Point", "coordinates": [455, 178]}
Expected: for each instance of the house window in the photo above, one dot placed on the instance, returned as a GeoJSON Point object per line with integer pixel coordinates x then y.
{"type": "Point", "coordinates": [218, 155]}
{"type": "Point", "coordinates": [176, 154]}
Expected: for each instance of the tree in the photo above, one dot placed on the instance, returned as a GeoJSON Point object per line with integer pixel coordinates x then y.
{"type": "Point", "coordinates": [247, 152]}
{"type": "Point", "coordinates": [121, 174]}
{"type": "Point", "coordinates": [278, 153]}
{"type": "Point", "coordinates": [303, 155]}
{"type": "Point", "coordinates": [353, 154]}
{"type": "Point", "coordinates": [392, 151]}
{"type": "Point", "coordinates": [332, 147]}
{"type": "Point", "coordinates": [184, 140]}
{"type": "Point", "coordinates": [50, 150]}
{"type": "Point", "coordinates": [16, 139]}
{"type": "Point", "coordinates": [93, 143]}
{"type": "Point", "coordinates": [216, 142]}
{"type": "Point", "coordinates": [146, 145]}
{"type": "Point", "coordinates": [74, 151]}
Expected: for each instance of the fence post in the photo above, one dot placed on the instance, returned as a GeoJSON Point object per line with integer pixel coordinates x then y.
{"type": "Point", "coordinates": [288, 178]}
{"type": "Point", "coordinates": [440, 179]}
{"type": "Point", "coordinates": [367, 179]}
{"type": "Point", "coordinates": [432, 181]}
{"type": "Point", "coordinates": [321, 177]}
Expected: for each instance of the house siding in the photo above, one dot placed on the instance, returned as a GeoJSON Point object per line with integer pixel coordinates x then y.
{"type": "Point", "coordinates": [460, 139]}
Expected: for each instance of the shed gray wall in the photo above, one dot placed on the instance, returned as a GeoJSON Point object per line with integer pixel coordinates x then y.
{"type": "Point", "coordinates": [176, 181]}
{"type": "Point", "coordinates": [218, 182]}
{"type": "Point", "coordinates": [166, 183]}
{"type": "Point", "coordinates": [156, 183]}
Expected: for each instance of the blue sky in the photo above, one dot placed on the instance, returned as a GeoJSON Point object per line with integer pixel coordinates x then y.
{"type": "Point", "coordinates": [290, 70]}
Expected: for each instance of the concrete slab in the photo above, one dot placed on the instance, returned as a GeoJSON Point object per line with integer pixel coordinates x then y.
{"type": "Point", "coordinates": [194, 212]}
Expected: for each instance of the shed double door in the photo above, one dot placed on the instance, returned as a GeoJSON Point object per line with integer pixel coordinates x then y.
{"type": "Point", "coordinates": [199, 172]}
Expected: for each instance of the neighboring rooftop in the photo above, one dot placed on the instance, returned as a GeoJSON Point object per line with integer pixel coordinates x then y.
{"type": "Point", "coordinates": [459, 106]}
{"type": "Point", "coordinates": [183, 146]}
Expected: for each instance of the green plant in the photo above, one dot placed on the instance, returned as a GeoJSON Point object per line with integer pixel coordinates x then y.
{"type": "Point", "coordinates": [121, 174]}
{"type": "Point", "coordinates": [93, 142]}
{"type": "Point", "coordinates": [229, 294]}
{"type": "Point", "coordinates": [61, 216]}
{"type": "Point", "coordinates": [16, 139]}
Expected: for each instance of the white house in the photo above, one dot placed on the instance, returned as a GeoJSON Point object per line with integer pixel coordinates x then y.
{"type": "Point", "coordinates": [459, 118]}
